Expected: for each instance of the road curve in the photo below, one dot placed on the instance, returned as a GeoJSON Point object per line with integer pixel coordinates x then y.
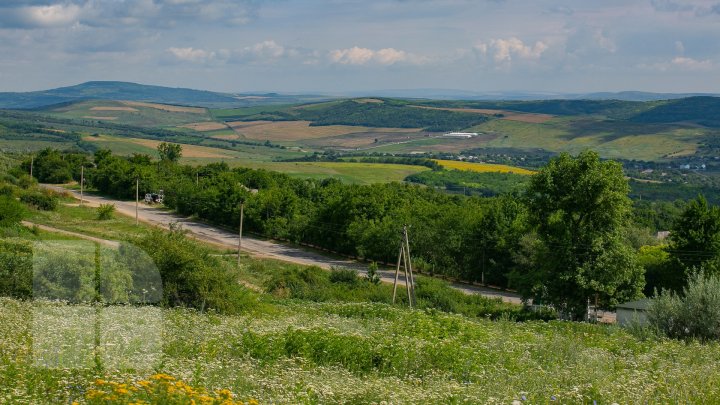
{"type": "Point", "coordinates": [258, 247]}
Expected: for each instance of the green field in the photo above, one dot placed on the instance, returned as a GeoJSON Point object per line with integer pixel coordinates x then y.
{"type": "Point", "coordinates": [612, 139]}
{"type": "Point", "coordinates": [117, 112]}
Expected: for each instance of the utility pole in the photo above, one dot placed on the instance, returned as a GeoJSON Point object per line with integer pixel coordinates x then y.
{"type": "Point", "coordinates": [82, 183]}
{"type": "Point", "coordinates": [242, 211]}
{"type": "Point", "coordinates": [137, 199]}
{"type": "Point", "coordinates": [32, 161]}
{"type": "Point", "coordinates": [411, 290]}
{"type": "Point", "coordinates": [404, 260]}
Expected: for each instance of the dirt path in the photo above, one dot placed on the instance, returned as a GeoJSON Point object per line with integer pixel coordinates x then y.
{"type": "Point", "coordinates": [105, 242]}
{"type": "Point", "coordinates": [258, 247]}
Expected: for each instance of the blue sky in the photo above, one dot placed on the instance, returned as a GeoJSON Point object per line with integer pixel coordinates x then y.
{"type": "Point", "coordinates": [350, 45]}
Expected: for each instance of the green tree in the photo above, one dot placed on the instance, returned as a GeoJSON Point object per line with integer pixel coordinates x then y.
{"type": "Point", "coordinates": [170, 152]}
{"type": "Point", "coordinates": [580, 208]}
{"type": "Point", "coordinates": [11, 211]}
{"type": "Point", "coordinates": [49, 166]}
{"type": "Point", "coordinates": [695, 239]}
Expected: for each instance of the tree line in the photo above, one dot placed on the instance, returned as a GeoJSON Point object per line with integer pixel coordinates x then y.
{"type": "Point", "coordinates": [569, 237]}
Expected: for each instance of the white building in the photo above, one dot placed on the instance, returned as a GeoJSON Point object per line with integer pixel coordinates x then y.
{"type": "Point", "coordinates": [461, 134]}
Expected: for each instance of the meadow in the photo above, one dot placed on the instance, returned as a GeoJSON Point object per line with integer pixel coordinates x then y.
{"type": "Point", "coordinates": [612, 139]}
{"type": "Point", "coordinates": [302, 352]}
{"type": "Point", "coordinates": [133, 113]}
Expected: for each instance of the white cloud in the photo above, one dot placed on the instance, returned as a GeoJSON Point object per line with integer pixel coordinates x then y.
{"type": "Point", "coordinates": [191, 54]}
{"type": "Point", "coordinates": [692, 64]}
{"type": "Point", "coordinates": [604, 42]}
{"type": "Point", "coordinates": [680, 47]}
{"type": "Point", "coordinates": [267, 50]}
{"type": "Point", "coordinates": [362, 56]}
{"type": "Point", "coordinates": [352, 56]}
{"type": "Point", "coordinates": [504, 50]}
{"type": "Point", "coordinates": [48, 16]}
{"type": "Point", "coordinates": [681, 63]}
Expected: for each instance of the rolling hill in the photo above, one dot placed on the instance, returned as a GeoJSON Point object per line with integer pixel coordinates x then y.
{"type": "Point", "coordinates": [703, 111]}
{"type": "Point", "coordinates": [112, 90]}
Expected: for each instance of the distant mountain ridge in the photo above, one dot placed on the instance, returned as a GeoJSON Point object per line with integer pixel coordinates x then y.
{"type": "Point", "coordinates": [454, 94]}
{"type": "Point", "coordinates": [114, 90]}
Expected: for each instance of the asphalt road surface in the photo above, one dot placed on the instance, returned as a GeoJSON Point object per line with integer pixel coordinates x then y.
{"type": "Point", "coordinates": [259, 247]}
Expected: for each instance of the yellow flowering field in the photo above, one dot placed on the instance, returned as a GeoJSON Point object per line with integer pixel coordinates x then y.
{"type": "Point", "coordinates": [482, 167]}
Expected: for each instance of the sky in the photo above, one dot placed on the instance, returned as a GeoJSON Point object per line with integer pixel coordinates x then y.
{"type": "Point", "coordinates": [335, 46]}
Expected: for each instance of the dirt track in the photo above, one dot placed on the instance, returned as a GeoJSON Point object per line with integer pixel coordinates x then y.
{"type": "Point", "coordinates": [258, 247]}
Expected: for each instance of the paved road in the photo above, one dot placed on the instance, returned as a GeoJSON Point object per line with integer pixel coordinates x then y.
{"type": "Point", "coordinates": [258, 247]}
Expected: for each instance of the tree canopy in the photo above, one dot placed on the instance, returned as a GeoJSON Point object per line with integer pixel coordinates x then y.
{"type": "Point", "coordinates": [580, 208]}
{"type": "Point", "coordinates": [695, 240]}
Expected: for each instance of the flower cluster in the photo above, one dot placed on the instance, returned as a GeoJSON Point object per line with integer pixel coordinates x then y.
{"type": "Point", "coordinates": [158, 388]}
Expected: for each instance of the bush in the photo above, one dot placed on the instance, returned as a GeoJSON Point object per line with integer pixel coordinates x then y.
{"type": "Point", "coordinates": [192, 276]}
{"type": "Point", "coordinates": [25, 181]}
{"type": "Point", "coordinates": [7, 190]}
{"type": "Point", "coordinates": [105, 211]}
{"type": "Point", "coordinates": [693, 315]}
{"type": "Point", "coordinates": [16, 268]}
{"type": "Point", "coordinates": [372, 273]}
{"type": "Point", "coordinates": [42, 200]}
{"type": "Point", "coordinates": [11, 211]}
{"type": "Point", "coordinates": [345, 276]}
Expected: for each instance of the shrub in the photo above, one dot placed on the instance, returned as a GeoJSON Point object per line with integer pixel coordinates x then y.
{"type": "Point", "coordinates": [345, 276]}
{"type": "Point", "coordinates": [25, 181]}
{"type": "Point", "coordinates": [372, 273]}
{"type": "Point", "coordinates": [11, 211]}
{"type": "Point", "coordinates": [16, 268]}
{"type": "Point", "coordinates": [192, 276]}
{"type": "Point", "coordinates": [42, 200]}
{"type": "Point", "coordinates": [105, 211]}
{"type": "Point", "coordinates": [6, 190]}
{"type": "Point", "coordinates": [695, 314]}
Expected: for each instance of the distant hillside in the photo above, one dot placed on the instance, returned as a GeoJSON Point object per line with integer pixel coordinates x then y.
{"type": "Point", "coordinates": [700, 110]}
{"type": "Point", "coordinates": [108, 90]}
{"type": "Point", "coordinates": [455, 94]}
{"type": "Point", "coordinates": [610, 108]}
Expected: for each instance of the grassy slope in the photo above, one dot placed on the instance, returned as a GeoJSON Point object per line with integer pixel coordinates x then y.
{"type": "Point", "coordinates": [365, 353]}
{"type": "Point", "coordinates": [293, 351]}
{"type": "Point", "coordinates": [610, 139]}
{"type": "Point", "coordinates": [141, 116]}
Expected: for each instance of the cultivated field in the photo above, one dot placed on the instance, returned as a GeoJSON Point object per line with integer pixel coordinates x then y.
{"type": "Point", "coordinates": [127, 146]}
{"type": "Point", "coordinates": [134, 113]}
{"type": "Point", "coordinates": [355, 173]}
{"type": "Point", "coordinates": [612, 139]}
{"type": "Point", "coordinates": [205, 126]}
{"type": "Point", "coordinates": [300, 130]}
{"type": "Point", "coordinates": [506, 115]}
{"type": "Point", "coordinates": [483, 167]}
{"type": "Point", "coordinates": [167, 107]}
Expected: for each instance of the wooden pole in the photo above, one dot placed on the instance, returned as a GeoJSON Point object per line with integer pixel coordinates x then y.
{"type": "Point", "coordinates": [82, 183]}
{"type": "Point", "coordinates": [32, 162]}
{"type": "Point", "coordinates": [242, 211]}
{"type": "Point", "coordinates": [397, 270]}
{"type": "Point", "coordinates": [409, 267]}
{"type": "Point", "coordinates": [137, 199]}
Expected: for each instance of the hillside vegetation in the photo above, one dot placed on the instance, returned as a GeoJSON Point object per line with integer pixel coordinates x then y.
{"type": "Point", "coordinates": [367, 353]}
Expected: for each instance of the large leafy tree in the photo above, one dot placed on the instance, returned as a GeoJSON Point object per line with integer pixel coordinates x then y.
{"type": "Point", "coordinates": [580, 208]}
{"type": "Point", "coordinates": [695, 240]}
{"type": "Point", "coordinates": [169, 152]}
